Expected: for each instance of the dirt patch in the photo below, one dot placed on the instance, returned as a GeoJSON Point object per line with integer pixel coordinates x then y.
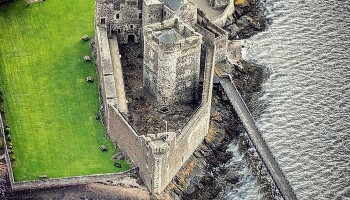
{"type": "Point", "coordinates": [92, 191]}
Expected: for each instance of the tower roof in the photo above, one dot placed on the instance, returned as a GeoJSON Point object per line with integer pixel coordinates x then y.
{"type": "Point", "coordinates": [173, 4]}
{"type": "Point", "coordinates": [169, 36]}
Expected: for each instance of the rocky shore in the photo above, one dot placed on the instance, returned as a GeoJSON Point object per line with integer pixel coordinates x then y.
{"type": "Point", "coordinates": [247, 19]}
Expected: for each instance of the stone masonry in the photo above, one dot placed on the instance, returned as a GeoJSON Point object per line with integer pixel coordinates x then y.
{"type": "Point", "coordinates": [219, 3]}
{"type": "Point", "coordinates": [172, 63]}
{"type": "Point", "coordinates": [123, 16]}
{"type": "Point", "coordinates": [181, 47]}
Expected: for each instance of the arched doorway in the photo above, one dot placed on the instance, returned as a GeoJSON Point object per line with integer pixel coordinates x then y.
{"type": "Point", "coordinates": [131, 38]}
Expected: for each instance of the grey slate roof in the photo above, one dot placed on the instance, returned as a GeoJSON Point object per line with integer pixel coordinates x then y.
{"type": "Point", "coordinates": [173, 4]}
{"type": "Point", "coordinates": [169, 36]}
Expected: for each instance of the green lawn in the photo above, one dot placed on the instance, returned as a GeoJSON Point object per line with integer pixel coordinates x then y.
{"type": "Point", "coordinates": [50, 108]}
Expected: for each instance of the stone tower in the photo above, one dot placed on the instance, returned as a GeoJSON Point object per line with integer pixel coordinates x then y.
{"type": "Point", "coordinates": [171, 63]}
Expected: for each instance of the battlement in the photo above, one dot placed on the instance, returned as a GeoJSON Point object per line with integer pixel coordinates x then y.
{"type": "Point", "coordinates": [179, 33]}
{"type": "Point", "coordinates": [159, 143]}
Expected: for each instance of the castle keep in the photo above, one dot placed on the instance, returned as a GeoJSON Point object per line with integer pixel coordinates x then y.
{"type": "Point", "coordinates": [172, 63]}
{"type": "Point", "coordinates": [180, 47]}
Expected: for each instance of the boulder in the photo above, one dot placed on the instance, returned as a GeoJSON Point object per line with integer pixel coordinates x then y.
{"type": "Point", "coordinates": [245, 21]}
{"type": "Point", "coordinates": [232, 36]}
{"type": "Point", "coordinates": [233, 28]}
{"type": "Point", "coordinates": [238, 12]}
{"type": "Point", "coordinates": [232, 177]}
{"type": "Point", "coordinates": [103, 148]}
{"type": "Point", "coordinates": [85, 38]}
{"type": "Point", "coordinates": [118, 156]}
{"type": "Point", "coordinates": [41, 177]}
{"type": "Point", "coordinates": [90, 79]}
{"type": "Point", "coordinates": [87, 58]}
{"type": "Point", "coordinates": [230, 20]}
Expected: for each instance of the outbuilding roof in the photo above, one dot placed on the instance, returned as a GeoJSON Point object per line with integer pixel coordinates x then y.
{"type": "Point", "coordinates": [173, 4]}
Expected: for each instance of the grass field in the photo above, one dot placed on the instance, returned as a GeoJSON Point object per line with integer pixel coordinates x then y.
{"type": "Point", "coordinates": [50, 108]}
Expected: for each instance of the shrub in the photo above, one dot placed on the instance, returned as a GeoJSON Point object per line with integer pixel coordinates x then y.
{"type": "Point", "coordinates": [7, 131]}
{"type": "Point", "coordinates": [1, 94]}
{"type": "Point", "coordinates": [9, 145]}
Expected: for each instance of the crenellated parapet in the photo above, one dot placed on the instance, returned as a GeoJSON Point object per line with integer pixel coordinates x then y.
{"type": "Point", "coordinates": [159, 143]}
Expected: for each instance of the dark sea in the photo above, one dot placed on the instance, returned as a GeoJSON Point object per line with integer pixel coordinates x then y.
{"type": "Point", "coordinates": [303, 110]}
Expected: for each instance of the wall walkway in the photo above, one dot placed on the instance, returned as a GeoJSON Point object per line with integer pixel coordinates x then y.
{"type": "Point", "coordinates": [118, 74]}
{"type": "Point", "coordinates": [256, 138]}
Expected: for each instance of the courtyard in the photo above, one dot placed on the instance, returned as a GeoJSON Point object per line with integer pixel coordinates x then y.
{"type": "Point", "coordinates": [50, 108]}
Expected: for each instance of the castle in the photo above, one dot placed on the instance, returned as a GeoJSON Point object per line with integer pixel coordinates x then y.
{"type": "Point", "coordinates": [180, 49]}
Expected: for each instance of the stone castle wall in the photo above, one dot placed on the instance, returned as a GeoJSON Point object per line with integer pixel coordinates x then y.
{"type": "Point", "coordinates": [152, 12]}
{"type": "Point", "coordinates": [192, 134]}
{"type": "Point", "coordinates": [217, 4]}
{"type": "Point", "coordinates": [156, 11]}
{"type": "Point", "coordinates": [213, 35]}
{"type": "Point", "coordinates": [187, 13]}
{"type": "Point", "coordinates": [132, 145]}
{"type": "Point", "coordinates": [105, 71]}
{"type": "Point", "coordinates": [159, 156]}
